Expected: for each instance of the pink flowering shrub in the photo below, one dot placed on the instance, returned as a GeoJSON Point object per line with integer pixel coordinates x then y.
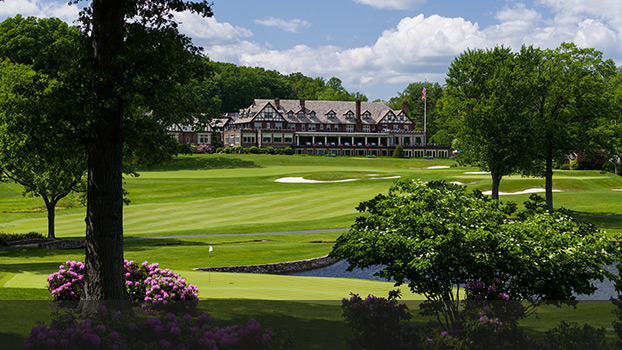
{"type": "Point", "coordinates": [114, 330]}
{"type": "Point", "coordinates": [67, 283]}
{"type": "Point", "coordinates": [144, 282]}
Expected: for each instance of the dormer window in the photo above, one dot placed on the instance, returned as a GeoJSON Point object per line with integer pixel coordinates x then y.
{"type": "Point", "coordinates": [301, 114]}
{"type": "Point", "coordinates": [366, 115]}
{"type": "Point", "coordinates": [331, 115]}
{"type": "Point", "coordinates": [349, 116]}
{"type": "Point", "coordinates": [290, 115]}
{"type": "Point", "coordinates": [312, 114]}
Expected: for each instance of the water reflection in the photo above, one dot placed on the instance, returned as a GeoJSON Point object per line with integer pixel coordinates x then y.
{"type": "Point", "coordinates": [606, 289]}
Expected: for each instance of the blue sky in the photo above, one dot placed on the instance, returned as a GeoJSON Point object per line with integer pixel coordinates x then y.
{"type": "Point", "coordinates": [378, 47]}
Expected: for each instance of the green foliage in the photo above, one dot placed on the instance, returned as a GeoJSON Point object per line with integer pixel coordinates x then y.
{"type": "Point", "coordinates": [238, 86]}
{"type": "Point", "coordinates": [574, 164]}
{"type": "Point", "coordinates": [435, 236]}
{"type": "Point", "coordinates": [398, 152]}
{"type": "Point", "coordinates": [488, 92]}
{"type": "Point", "coordinates": [42, 108]}
{"type": "Point", "coordinates": [10, 237]}
{"type": "Point", "coordinates": [435, 122]}
{"type": "Point", "coordinates": [572, 336]}
{"type": "Point", "coordinates": [288, 151]}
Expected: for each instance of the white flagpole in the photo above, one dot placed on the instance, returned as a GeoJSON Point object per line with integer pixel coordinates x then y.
{"type": "Point", "coordinates": [209, 254]}
{"type": "Point", "coordinates": [425, 114]}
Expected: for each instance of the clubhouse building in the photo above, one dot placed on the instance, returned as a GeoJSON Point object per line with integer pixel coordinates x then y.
{"type": "Point", "coordinates": [345, 128]}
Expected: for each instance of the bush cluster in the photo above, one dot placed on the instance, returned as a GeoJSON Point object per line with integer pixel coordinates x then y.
{"type": "Point", "coordinates": [488, 321]}
{"type": "Point", "coordinates": [114, 330]}
{"type": "Point", "coordinates": [201, 149]}
{"type": "Point", "coordinates": [255, 150]}
{"type": "Point", "coordinates": [144, 282]}
{"type": "Point", "coordinates": [8, 237]}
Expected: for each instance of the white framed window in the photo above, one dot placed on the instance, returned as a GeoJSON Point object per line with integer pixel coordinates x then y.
{"type": "Point", "coordinates": [366, 128]}
{"type": "Point", "coordinates": [266, 138]}
{"type": "Point", "coordinates": [267, 125]}
{"type": "Point", "coordinates": [311, 127]}
{"type": "Point", "coordinates": [204, 139]}
{"type": "Point", "coordinates": [258, 125]}
{"type": "Point", "coordinates": [277, 138]}
{"type": "Point", "coordinates": [278, 126]}
{"type": "Point", "coordinates": [175, 136]}
{"type": "Point", "coordinates": [349, 128]}
{"type": "Point", "coordinates": [302, 127]}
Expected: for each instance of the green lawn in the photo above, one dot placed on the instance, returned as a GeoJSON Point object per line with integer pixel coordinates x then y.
{"type": "Point", "coordinates": [215, 194]}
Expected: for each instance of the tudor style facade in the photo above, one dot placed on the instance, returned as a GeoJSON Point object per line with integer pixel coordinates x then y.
{"type": "Point", "coordinates": [328, 127]}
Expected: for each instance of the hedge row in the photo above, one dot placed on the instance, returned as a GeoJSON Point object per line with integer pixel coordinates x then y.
{"type": "Point", "coordinates": [8, 237]}
{"type": "Point", "coordinates": [255, 150]}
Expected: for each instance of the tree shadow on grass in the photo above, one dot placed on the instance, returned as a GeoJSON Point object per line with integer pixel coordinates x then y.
{"type": "Point", "coordinates": [204, 163]}
{"type": "Point", "coordinates": [310, 325]}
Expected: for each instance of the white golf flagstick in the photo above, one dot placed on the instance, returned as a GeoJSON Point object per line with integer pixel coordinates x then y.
{"type": "Point", "coordinates": [209, 254]}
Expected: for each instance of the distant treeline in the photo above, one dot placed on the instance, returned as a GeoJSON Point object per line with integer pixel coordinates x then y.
{"type": "Point", "coordinates": [238, 86]}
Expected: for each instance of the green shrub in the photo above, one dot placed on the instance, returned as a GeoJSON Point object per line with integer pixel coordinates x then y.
{"type": "Point", "coordinates": [574, 164]}
{"type": "Point", "coordinates": [219, 149]}
{"type": "Point", "coordinates": [288, 150]}
{"type": "Point", "coordinates": [254, 150]}
{"type": "Point", "coordinates": [8, 237]}
{"type": "Point", "coordinates": [571, 336]}
{"type": "Point", "coordinates": [270, 150]}
{"type": "Point", "coordinates": [398, 152]}
{"type": "Point", "coordinates": [565, 167]}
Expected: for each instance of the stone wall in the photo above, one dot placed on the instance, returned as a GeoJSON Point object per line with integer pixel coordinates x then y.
{"type": "Point", "coordinates": [277, 268]}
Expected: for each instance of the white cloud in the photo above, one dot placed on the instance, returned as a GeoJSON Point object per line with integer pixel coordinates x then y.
{"type": "Point", "coordinates": [291, 25]}
{"type": "Point", "coordinates": [208, 31]}
{"type": "Point", "coordinates": [36, 8]}
{"type": "Point", "coordinates": [392, 4]}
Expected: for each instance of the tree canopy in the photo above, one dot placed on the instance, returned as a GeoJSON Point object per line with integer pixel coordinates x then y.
{"type": "Point", "coordinates": [436, 237]}
{"type": "Point", "coordinates": [569, 85]}
{"type": "Point", "coordinates": [42, 108]}
{"type": "Point", "coordinates": [488, 90]}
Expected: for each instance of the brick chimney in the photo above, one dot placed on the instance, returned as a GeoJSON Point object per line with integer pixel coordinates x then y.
{"type": "Point", "coordinates": [277, 103]}
{"type": "Point", "coordinates": [302, 104]}
{"type": "Point", "coordinates": [405, 108]}
{"type": "Point", "coordinates": [357, 116]}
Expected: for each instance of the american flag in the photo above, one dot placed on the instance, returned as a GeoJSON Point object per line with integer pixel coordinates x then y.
{"type": "Point", "coordinates": [423, 97]}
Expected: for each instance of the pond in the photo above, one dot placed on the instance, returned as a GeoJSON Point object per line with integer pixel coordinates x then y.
{"type": "Point", "coordinates": [605, 291]}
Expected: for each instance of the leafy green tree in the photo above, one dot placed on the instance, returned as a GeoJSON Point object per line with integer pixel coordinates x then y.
{"type": "Point", "coordinates": [437, 237]}
{"type": "Point", "coordinates": [41, 109]}
{"type": "Point", "coordinates": [140, 65]}
{"type": "Point", "coordinates": [569, 86]}
{"type": "Point", "coordinates": [488, 90]}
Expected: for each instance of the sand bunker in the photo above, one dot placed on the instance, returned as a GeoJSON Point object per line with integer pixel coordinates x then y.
{"type": "Point", "coordinates": [385, 178]}
{"type": "Point", "coordinates": [477, 172]}
{"type": "Point", "coordinates": [438, 167]}
{"type": "Point", "coordinates": [529, 190]}
{"type": "Point", "coordinates": [616, 189]}
{"type": "Point", "coordinates": [302, 180]}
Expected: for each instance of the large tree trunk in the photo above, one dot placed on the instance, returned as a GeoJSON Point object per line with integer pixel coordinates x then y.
{"type": "Point", "coordinates": [104, 278]}
{"type": "Point", "coordinates": [548, 182]}
{"type": "Point", "coordinates": [496, 180]}
{"type": "Point", "coordinates": [50, 206]}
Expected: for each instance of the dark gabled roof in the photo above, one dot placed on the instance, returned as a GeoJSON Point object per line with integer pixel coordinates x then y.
{"type": "Point", "coordinates": [377, 110]}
